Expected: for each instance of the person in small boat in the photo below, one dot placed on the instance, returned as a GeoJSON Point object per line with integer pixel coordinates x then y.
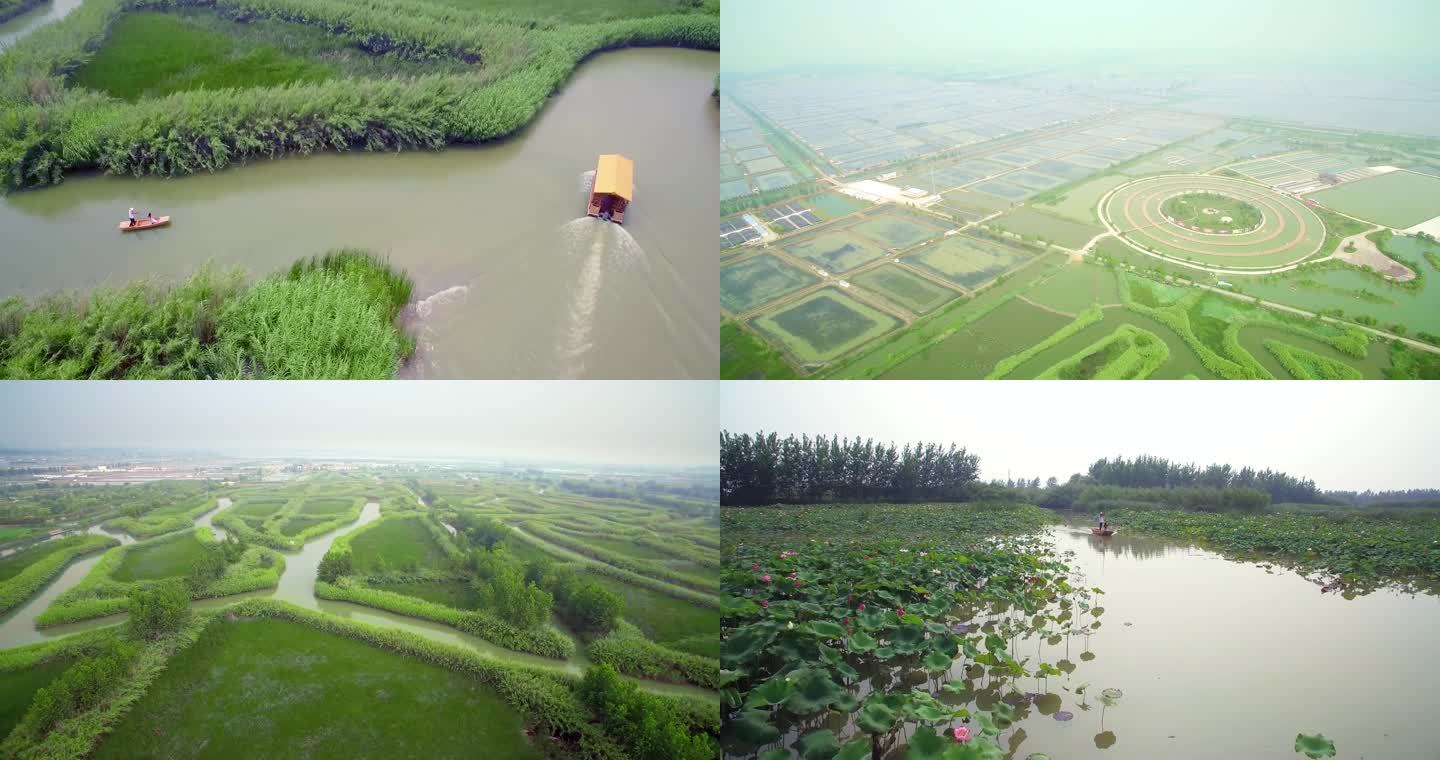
{"type": "Point", "coordinates": [150, 216]}
{"type": "Point", "coordinates": [1104, 526]}
{"type": "Point", "coordinates": [132, 217]}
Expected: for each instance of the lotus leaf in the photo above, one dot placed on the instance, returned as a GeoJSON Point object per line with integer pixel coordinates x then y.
{"type": "Point", "coordinates": [885, 653]}
{"type": "Point", "coordinates": [827, 630]}
{"type": "Point", "coordinates": [936, 662]}
{"type": "Point", "coordinates": [1104, 739]}
{"type": "Point", "coordinates": [961, 688]}
{"type": "Point", "coordinates": [753, 728]}
{"type": "Point", "coordinates": [735, 606]}
{"type": "Point", "coordinates": [856, 749]}
{"type": "Point", "coordinates": [1003, 714]}
{"type": "Point", "coordinates": [861, 641]}
{"type": "Point", "coordinates": [1316, 746]}
{"type": "Point", "coordinates": [819, 745]}
{"type": "Point", "coordinates": [879, 713]}
{"type": "Point", "coordinates": [774, 754]}
{"type": "Point", "coordinates": [908, 639]}
{"type": "Point", "coordinates": [813, 691]}
{"type": "Point", "coordinates": [745, 643]}
{"type": "Point", "coordinates": [925, 744]}
{"type": "Point", "coordinates": [772, 692]}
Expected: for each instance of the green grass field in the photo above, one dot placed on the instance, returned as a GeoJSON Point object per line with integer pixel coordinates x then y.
{"type": "Point", "coordinates": [258, 508]}
{"type": "Point", "coordinates": [746, 357]}
{"type": "Point", "coordinates": [457, 594]}
{"type": "Point", "coordinates": [666, 620]}
{"type": "Point", "coordinates": [156, 54]}
{"type": "Point", "coordinates": [824, 325]}
{"type": "Point", "coordinates": [13, 565]}
{"type": "Point", "coordinates": [1076, 286]}
{"type": "Point", "coordinates": [395, 544]}
{"type": "Point", "coordinates": [580, 10]}
{"type": "Point", "coordinates": [1079, 202]}
{"type": "Point", "coordinates": [8, 533]}
{"type": "Point", "coordinates": [272, 688]}
{"type": "Point", "coordinates": [909, 290]}
{"type": "Point", "coordinates": [972, 351]}
{"type": "Point", "coordinates": [292, 526]}
{"type": "Point", "coordinates": [1030, 223]}
{"type": "Point", "coordinates": [18, 687]}
{"type": "Point", "coordinates": [325, 506]}
{"type": "Point", "coordinates": [832, 205]}
{"type": "Point", "coordinates": [1398, 199]}
{"type": "Point", "coordinates": [166, 559]}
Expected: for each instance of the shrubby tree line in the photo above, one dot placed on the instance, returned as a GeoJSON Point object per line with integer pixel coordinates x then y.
{"type": "Point", "coordinates": [677, 497]}
{"type": "Point", "coordinates": [1411, 497]}
{"type": "Point", "coordinates": [525, 592]}
{"type": "Point", "coordinates": [766, 469]}
{"type": "Point", "coordinates": [1146, 471]}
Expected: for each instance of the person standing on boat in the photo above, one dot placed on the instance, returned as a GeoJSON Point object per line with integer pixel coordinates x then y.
{"type": "Point", "coordinates": [132, 217]}
{"type": "Point", "coordinates": [1103, 524]}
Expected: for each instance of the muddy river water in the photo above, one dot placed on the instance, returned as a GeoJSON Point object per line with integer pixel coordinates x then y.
{"type": "Point", "coordinates": [1223, 659]}
{"type": "Point", "coordinates": [297, 586]}
{"type": "Point", "coordinates": [512, 280]}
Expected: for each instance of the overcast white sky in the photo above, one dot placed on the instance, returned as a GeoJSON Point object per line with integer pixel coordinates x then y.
{"type": "Point", "coordinates": [667, 423]}
{"type": "Point", "coordinates": [766, 34]}
{"type": "Point", "coordinates": [1379, 435]}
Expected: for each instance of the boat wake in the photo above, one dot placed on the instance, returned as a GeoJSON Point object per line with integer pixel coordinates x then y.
{"type": "Point", "coordinates": [587, 236]}
{"type": "Point", "coordinates": [419, 320]}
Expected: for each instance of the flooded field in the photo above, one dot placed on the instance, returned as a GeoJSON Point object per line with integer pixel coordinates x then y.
{"type": "Point", "coordinates": [512, 280]}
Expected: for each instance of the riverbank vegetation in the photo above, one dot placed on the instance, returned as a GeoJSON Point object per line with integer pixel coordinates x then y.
{"type": "Point", "coordinates": [50, 504]}
{"type": "Point", "coordinates": [285, 518]}
{"type": "Point", "coordinates": [206, 568]}
{"type": "Point", "coordinates": [136, 690]}
{"type": "Point", "coordinates": [24, 573]}
{"type": "Point", "coordinates": [330, 317]}
{"type": "Point", "coordinates": [501, 65]}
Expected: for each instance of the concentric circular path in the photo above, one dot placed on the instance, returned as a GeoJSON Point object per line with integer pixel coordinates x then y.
{"type": "Point", "coordinates": [1288, 233]}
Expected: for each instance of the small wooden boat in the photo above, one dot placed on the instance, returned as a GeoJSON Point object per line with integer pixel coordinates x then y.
{"type": "Point", "coordinates": [1104, 532]}
{"type": "Point", "coordinates": [613, 189]}
{"type": "Point", "coordinates": [144, 224]}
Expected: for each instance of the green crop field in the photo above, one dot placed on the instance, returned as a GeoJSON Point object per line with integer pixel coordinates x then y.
{"type": "Point", "coordinates": [17, 689]}
{"type": "Point", "coordinates": [758, 280]}
{"type": "Point", "coordinates": [451, 593]}
{"type": "Point", "coordinates": [744, 356]}
{"type": "Point", "coordinates": [1398, 199]}
{"type": "Point", "coordinates": [273, 688]}
{"type": "Point", "coordinates": [824, 325]}
{"type": "Point", "coordinates": [1079, 202]}
{"type": "Point", "coordinates": [835, 251]}
{"type": "Point", "coordinates": [166, 559]}
{"type": "Point", "coordinates": [1031, 223]}
{"type": "Point", "coordinates": [832, 205]}
{"type": "Point", "coordinates": [155, 54]}
{"type": "Point", "coordinates": [967, 261]}
{"type": "Point", "coordinates": [909, 290]}
{"type": "Point", "coordinates": [971, 352]}
{"type": "Point", "coordinates": [395, 544]}
{"type": "Point", "coordinates": [323, 506]}
{"type": "Point", "coordinates": [1074, 287]}
{"type": "Point", "coordinates": [257, 508]}
{"type": "Point", "coordinates": [667, 620]}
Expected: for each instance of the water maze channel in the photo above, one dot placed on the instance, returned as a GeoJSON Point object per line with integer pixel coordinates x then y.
{"type": "Point", "coordinates": [297, 586]}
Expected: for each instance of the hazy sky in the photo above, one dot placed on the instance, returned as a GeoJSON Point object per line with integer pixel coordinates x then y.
{"type": "Point", "coordinates": [589, 421]}
{"type": "Point", "coordinates": [1343, 435]}
{"type": "Point", "coordinates": [764, 34]}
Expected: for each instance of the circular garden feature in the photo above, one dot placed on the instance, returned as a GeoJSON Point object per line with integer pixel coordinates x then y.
{"type": "Point", "coordinates": [1213, 222]}
{"type": "Point", "coordinates": [1212, 213]}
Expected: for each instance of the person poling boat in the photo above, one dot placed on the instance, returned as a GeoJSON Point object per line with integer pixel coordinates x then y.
{"type": "Point", "coordinates": [1103, 525]}
{"type": "Point", "coordinates": [133, 223]}
{"type": "Point", "coordinates": [132, 217]}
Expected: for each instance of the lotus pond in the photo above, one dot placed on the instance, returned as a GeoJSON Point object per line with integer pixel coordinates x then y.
{"type": "Point", "coordinates": [1052, 644]}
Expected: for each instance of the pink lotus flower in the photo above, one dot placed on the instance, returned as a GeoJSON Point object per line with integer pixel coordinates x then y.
{"type": "Point", "coordinates": [961, 734]}
{"type": "Point", "coordinates": [900, 612]}
{"type": "Point", "coordinates": [754, 565]}
{"type": "Point", "coordinates": [862, 606]}
{"type": "Point", "coordinates": [765, 578]}
{"type": "Point", "coordinates": [764, 603]}
{"type": "Point", "coordinates": [793, 574]}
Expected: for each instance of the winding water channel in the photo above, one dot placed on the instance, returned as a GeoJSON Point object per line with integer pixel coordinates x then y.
{"type": "Point", "coordinates": [1223, 659]}
{"type": "Point", "coordinates": [512, 280]}
{"type": "Point", "coordinates": [297, 586]}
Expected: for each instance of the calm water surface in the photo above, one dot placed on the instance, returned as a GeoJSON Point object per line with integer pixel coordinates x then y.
{"type": "Point", "coordinates": [512, 280]}
{"type": "Point", "coordinates": [1224, 659]}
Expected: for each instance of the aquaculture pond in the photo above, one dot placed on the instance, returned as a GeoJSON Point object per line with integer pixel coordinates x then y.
{"type": "Point", "coordinates": [512, 280]}
{"type": "Point", "coordinates": [1136, 648]}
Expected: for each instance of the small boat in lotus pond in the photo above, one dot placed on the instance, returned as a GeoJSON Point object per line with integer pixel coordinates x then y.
{"type": "Point", "coordinates": [1103, 531]}
{"type": "Point", "coordinates": [144, 224]}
